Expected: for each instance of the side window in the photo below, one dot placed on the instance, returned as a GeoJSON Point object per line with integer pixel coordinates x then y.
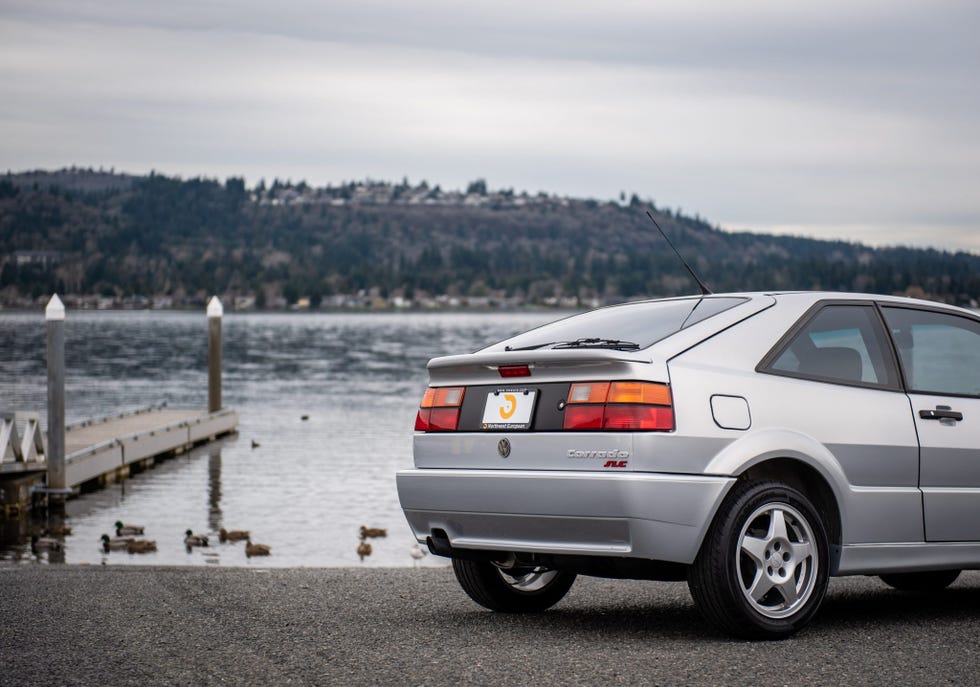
{"type": "Point", "coordinates": [940, 353]}
{"type": "Point", "coordinates": [840, 343]}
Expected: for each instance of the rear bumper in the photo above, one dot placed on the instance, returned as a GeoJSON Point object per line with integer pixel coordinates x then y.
{"type": "Point", "coordinates": [637, 515]}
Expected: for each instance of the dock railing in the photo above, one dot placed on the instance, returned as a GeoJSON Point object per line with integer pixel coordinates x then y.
{"type": "Point", "coordinates": [21, 451]}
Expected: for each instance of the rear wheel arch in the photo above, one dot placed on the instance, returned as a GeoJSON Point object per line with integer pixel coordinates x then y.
{"type": "Point", "coordinates": [787, 452]}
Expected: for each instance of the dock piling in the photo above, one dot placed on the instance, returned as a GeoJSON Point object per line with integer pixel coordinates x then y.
{"type": "Point", "coordinates": [215, 313]}
{"type": "Point", "coordinates": [54, 315]}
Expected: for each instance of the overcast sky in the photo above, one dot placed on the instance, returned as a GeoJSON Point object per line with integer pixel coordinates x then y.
{"type": "Point", "coordinates": [836, 119]}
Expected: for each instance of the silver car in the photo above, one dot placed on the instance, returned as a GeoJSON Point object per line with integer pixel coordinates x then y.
{"type": "Point", "coordinates": [753, 444]}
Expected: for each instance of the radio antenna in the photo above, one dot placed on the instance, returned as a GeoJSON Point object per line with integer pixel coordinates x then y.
{"type": "Point", "coordinates": [705, 291]}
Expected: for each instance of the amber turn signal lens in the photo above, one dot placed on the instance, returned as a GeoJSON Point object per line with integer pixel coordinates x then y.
{"type": "Point", "coordinates": [639, 392]}
{"type": "Point", "coordinates": [443, 397]}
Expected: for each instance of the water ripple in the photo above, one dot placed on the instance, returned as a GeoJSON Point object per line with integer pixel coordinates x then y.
{"type": "Point", "coordinates": [310, 484]}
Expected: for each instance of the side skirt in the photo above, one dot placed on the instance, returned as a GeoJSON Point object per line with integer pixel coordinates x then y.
{"type": "Point", "coordinates": [873, 559]}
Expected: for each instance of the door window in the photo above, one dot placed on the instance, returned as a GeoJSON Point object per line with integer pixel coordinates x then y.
{"type": "Point", "coordinates": [940, 353]}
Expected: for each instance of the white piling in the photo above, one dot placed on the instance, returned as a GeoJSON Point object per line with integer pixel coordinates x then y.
{"type": "Point", "coordinates": [215, 313]}
{"type": "Point", "coordinates": [54, 315]}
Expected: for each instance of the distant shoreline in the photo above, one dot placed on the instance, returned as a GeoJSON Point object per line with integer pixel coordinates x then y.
{"type": "Point", "coordinates": [39, 310]}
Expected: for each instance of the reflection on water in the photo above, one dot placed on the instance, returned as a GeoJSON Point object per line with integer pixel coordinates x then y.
{"type": "Point", "coordinates": [308, 486]}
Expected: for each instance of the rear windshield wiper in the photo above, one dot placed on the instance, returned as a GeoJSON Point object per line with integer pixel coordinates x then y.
{"type": "Point", "coordinates": [599, 343]}
{"type": "Point", "coordinates": [616, 344]}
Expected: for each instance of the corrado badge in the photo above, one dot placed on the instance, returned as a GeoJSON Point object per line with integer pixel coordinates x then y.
{"type": "Point", "coordinates": [615, 458]}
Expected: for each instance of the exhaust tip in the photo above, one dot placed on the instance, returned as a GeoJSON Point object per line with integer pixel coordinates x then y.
{"type": "Point", "coordinates": [438, 543]}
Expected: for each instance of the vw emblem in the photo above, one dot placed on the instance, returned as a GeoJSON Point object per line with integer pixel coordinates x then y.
{"type": "Point", "coordinates": [503, 448]}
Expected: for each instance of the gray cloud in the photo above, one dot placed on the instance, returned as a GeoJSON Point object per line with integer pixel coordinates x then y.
{"type": "Point", "coordinates": [857, 117]}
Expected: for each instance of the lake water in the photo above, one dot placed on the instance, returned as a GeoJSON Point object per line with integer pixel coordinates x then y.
{"type": "Point", "coordinates": [309, 485]}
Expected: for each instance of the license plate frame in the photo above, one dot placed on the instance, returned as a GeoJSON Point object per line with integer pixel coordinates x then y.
{"type": "Point", "coordinates": [510, 409]}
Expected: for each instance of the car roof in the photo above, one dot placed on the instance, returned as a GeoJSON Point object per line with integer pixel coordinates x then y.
{"type": "Point", "coordinates": [797, 301]}
{"type": "Point", "coordinates": [445, 369]}
{"type": "Point", "coordinates": [816, 296]}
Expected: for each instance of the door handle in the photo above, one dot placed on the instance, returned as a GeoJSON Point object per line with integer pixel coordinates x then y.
{"type": "Point", "coordinates": [941, 413]}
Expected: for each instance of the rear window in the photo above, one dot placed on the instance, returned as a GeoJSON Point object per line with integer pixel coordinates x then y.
{"type": "Point", "coordinates": [643, 324]}
{"type": "Point", "coordinates": [842, 344]}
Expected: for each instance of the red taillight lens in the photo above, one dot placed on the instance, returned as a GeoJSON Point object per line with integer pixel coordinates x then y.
{"type": "Point", "coordinates": [625, 417]}
{"type": "Point", "coordinates": [619, 406]}
{"type": "Point", "coordinates": [444, 420]}
{"type": "Point", "coordinates": [583, 417]}
{"type": "Point", "coordinates": [439, 410]}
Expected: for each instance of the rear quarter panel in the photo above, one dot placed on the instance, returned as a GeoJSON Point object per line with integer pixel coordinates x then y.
{"type": "Point", "coordinates": [861, 440]}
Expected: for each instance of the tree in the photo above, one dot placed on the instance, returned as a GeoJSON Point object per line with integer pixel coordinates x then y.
{"type": "Point", "coordinates": [479, 187]}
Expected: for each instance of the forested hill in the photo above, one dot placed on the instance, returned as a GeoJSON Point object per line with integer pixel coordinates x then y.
{"type": "Point", "coordinates": [129, 239]}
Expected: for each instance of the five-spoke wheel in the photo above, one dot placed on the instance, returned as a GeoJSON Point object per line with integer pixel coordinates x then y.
{"type": "Point", "coordinates": [777, 563]}
{"type": "Point", "coordinates": [763, 567]}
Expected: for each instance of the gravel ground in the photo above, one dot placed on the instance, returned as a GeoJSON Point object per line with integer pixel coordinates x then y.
{"type": "Point", "coordinates": [191, 626]}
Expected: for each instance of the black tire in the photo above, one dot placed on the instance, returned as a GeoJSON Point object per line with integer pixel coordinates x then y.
{"type": "Point", "coordinates": [517, 590]}
{"type": "Point", "coordinates": [754, 578]}
{"type": "Point", "coordinates": [927, 581]}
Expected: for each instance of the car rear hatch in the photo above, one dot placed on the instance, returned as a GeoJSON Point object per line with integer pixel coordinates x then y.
{"type": "Point", "coordinates": [522, 422]}
{"type": "Point", "coordinates": [527, 404]}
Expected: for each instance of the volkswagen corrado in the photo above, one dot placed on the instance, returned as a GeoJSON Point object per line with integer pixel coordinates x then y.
{"type": "Point", "coordinates": [752, 444]}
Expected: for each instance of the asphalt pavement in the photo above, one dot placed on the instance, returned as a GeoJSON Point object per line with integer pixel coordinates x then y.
{"type": "Point", "coordinates": [80, 625]}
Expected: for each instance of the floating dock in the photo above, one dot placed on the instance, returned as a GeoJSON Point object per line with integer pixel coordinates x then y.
{"type": "Point", "coordinates": [101, 451]}
{"type": "Point", "coordinates": [40, 467]}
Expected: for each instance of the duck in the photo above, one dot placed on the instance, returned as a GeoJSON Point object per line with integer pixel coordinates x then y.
{"type": "Point", "coordinates": [233, 535]}
{"type": "Point", "coordinates": [123, 529]}
{"type": "Point", "coordinates": [363, 550]}
{"type": "Point", "coordinates": [45, 544]}
{"type": "Point", "coordinates": [373, 532]}
{"type": "Point", "coordinates": [141, 546]}
{"type": "Point", "coordinates": [191, 539]}
{"type": "Point", "coordinates": [115, 543]}
{"type": "Point", "coordinates": [256, 549]}
{"type": "Point", "coordinates": [255, 444]}
{"type": "Point", "coordinates": [304, 418]}
{"type": "Point", "coordinates": [56, 530]}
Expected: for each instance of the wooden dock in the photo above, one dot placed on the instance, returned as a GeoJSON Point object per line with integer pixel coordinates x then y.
{"type": "Point", "coordinates": [40, 467]}
{"type": "Point", "coordinates": [103, 450]}
{"type": "Point", "coordinates": [98, 447]}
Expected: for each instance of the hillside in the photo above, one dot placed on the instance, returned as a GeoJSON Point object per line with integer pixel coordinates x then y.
{"type": "Point", "coordinates": [110, 239]}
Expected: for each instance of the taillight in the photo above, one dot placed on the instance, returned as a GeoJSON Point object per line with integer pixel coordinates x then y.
{"type": "Point", "coordinates": [619, 406]}
{"type": "Point", "coordinates": [439, 410]}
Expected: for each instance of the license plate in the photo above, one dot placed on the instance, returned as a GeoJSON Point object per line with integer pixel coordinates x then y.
{"type": "Point", "coordinates": [509, 409]}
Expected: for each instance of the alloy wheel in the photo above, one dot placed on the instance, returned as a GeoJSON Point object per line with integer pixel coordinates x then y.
{"type": "Point", "coordinates": [776, 560]}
